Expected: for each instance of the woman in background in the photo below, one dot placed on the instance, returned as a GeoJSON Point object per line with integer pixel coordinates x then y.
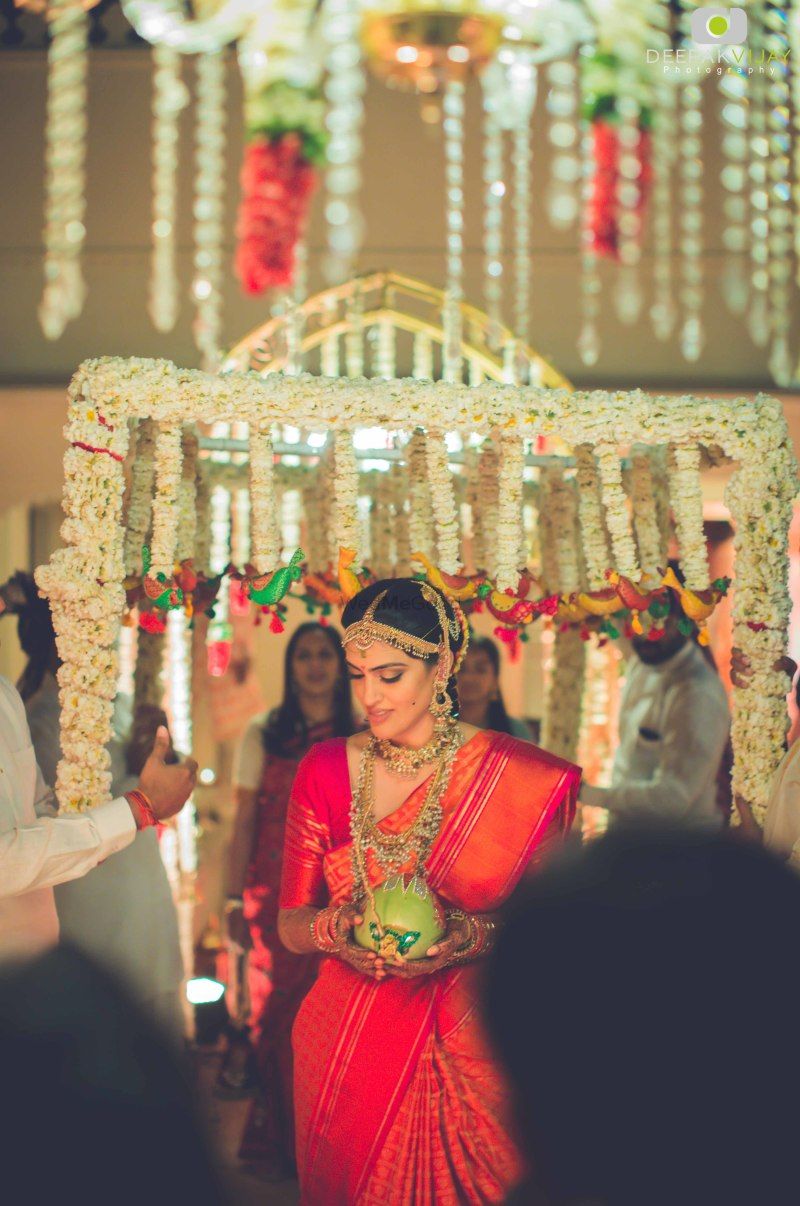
{"type": "Point", "coordinates": [316, 706]}
{"type": "Point", "coordinates": [121, 913]}
{"type": "Point", "coordinates": [479, 694]}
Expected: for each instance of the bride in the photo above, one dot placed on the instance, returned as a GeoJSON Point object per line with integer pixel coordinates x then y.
{"type": "Point", "coordinates": [397, 1097]}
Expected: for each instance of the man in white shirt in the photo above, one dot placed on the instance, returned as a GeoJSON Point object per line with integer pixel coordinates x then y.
{"type": "Point", "coordinates": [673, 729]}
{"type": "Point", "coordinates": [39, 849]}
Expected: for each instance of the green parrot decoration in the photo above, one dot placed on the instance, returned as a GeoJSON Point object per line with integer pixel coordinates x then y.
{"type": "Point", "coordinates": [271, 588]}
{"type": "Point", "coordinates": [160, 589]}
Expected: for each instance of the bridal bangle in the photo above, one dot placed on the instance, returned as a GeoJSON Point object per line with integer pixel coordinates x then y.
{"type": "Point", "coordinates": [323, 928]}
{"type": "Point", "coordinates": [481, 938]}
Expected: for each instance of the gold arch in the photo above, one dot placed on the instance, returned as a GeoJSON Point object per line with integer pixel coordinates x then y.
{"type": "Point", "coordinates": [328, 320]}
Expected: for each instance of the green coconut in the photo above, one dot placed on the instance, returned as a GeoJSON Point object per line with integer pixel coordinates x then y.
{"type": "Point", "coordinates": [406, 920]}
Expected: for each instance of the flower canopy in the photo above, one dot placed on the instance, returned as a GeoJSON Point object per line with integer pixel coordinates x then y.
{"type": "Point", "coordinates": [601, 512]}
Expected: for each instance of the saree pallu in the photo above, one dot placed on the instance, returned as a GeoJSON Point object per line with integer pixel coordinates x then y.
{"type": "Point", "coordinates": [397, 1099]}
{"type": "Point", "coordinates": [277, 980]}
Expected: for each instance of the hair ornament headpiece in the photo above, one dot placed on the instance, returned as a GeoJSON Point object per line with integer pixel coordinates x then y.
{"type": "Point", "coordinates": [367, 631]}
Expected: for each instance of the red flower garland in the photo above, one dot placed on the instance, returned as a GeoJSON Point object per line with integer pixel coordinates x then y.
{"type": "Point", "coordinates": [277, 183]}
{"type": "Point", "coordinates": [604, 205]}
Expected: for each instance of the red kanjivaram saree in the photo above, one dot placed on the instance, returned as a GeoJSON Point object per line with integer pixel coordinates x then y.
{"type": "Point", "coordinates": [397, 1098]}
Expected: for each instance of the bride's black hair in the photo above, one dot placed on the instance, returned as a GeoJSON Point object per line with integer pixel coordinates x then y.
{"type": "Point", "coordinates": [405, 607]}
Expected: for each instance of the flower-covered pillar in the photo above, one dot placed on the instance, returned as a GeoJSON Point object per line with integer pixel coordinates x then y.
{"type": "Point", "coordinates": [650, 511]}
{"type": "Point", "coordinates": [83, 582]}
{"type": "Point", "coordinates": [595, 744]}
{"type": "Point", "coordinates": [564, 696]}
{"type": "Point", "coordinates": [509, 513]}
{"type": "Point", "coordinates": [760, 497]}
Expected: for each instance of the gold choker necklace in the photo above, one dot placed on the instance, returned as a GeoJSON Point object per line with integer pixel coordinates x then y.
{"type": "Point", "coordinates": [406, 762]}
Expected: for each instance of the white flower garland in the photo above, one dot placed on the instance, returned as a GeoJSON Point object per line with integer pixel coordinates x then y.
{"type": "Point", "coordinates": [264, 523]}
{"type": "Point", "coordinates": [381, 525]}
{"type": "Point", "coordinates": [548, 559]}
{"type": "Point", "coordinates": [593, 530]}
{"type": "Point", "coordinates": [65, 152]}
{"type": "Point", "coordinates": [209, 227]}
{"type": "Point", "coordinates": [169, 455]}
{"type": "Point", "coordinates": [558, 513]}
{"type": "Point", "coordinates": [658, 462]}
{"type": "Point", "coordinates": [403, 550]}
{"type": "Point", "coordinates": [83, 582]}
{"type": "Point", "coordinates": [345, 487]}
{"type": "Point", "coordinates": [314, 536]}
{"type": "Point", "coordinates": [420, 526]}
{"type": "Point", "coordinates": [651, 547]}
{"type": "Point", "coordinates": [187, 501]}
{"type": "Point", "coordinates": [488, 506]}
{"type": "Point", "coordinates": [170, 96]}
{"type": "Point", "coordinates": [137, 520]}
{"type": "Point", "coordinates": [563, 702]}
{"type": "Point", "coordinates": [616, 508]}
{"type": "Point", "coordinates": [686, 496]}
{"type": "Point", "coordinates": [440, 480]}
{"type": "Point", "coordinates": [509, 512]}
{"type": "Point", "coordinates": [472, 470]}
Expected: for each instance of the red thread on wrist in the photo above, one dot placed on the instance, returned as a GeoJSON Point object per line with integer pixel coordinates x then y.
{"type": "Point", "coordinates": [145, 807]}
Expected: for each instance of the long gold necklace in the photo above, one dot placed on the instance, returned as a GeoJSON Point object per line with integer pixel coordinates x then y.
{"type": "Point", "coordinates": [393, 851]}
{"type": "Point", "coordinates": [406, 762]}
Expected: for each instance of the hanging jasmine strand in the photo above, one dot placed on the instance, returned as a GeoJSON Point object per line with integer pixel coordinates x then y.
{"type": "Point", "coordinates": [523, 82]}
{"type": "Point", "coordinates": [690, 169]}
{"type": "Point", "coordinates": [209, 205]}
{"type": "Point", "coordinates": [758, 313]}
{"type": "Point", "coordinates": [493, 193]}
{"type": "Point", "coordinates": [628, 296]}
{"type": "Point", "coordinates": [454, 173]}
{"type": "Point", "coordinates": [344, 92]}
{"type": "Point", "coordinates": [780, 197]}
{"type": "Point", "coordinates": [734, 89]}
{"type": "Point", "coordinates": [170, 96]}
{"type": "Point", "coordinates": [662, 313]}
{"type": "Point", "coordinates": [563, 201]}
{"type": "Point", "coordinates": [65, 153]}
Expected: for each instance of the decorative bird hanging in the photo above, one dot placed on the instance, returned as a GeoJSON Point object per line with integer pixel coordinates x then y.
{"type": "Point", "coordinates": [455, 586]}
{"type": "Point", "coordinates": [349, 582]}
{"type": "Point", "coordinates": [163, 592]}
{"type": "Point", "coordinates": [271, 588]}
{"type": "Point", "coordinates": [697, 605]}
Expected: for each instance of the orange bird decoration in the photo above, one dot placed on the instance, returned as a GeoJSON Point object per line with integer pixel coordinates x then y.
{"type": "Point", "coordinates": [455, 586]}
